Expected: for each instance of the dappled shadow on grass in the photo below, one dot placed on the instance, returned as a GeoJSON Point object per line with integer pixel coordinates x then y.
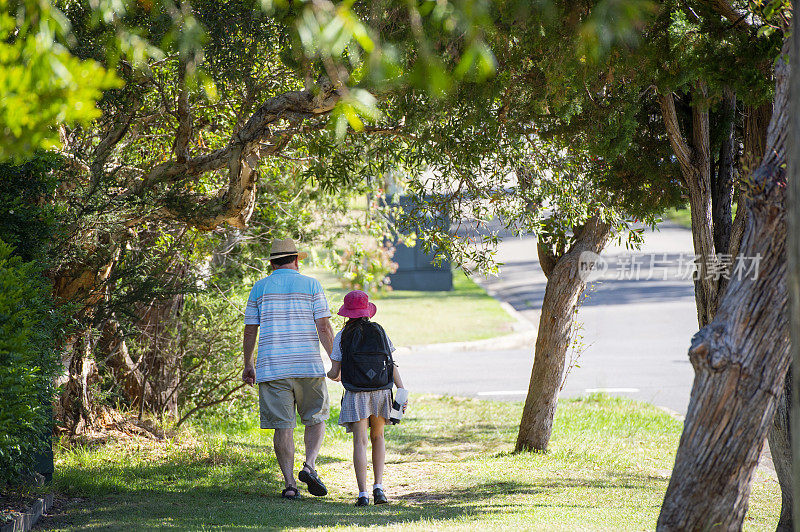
{"type": "Point", "coordinates": [500, 491]}
{"type": "Point", "coordinates": [193, 511]}
{"type": "Point", "coordinates": [415, 439]}
{"type": "Point", "coordinates": [207, 508]}
{"type": "Point", "coordinates": [629, 481]}
{"type": "Point", "coordinates": [221, 475]}
{"type": "Point", "coordinates": [471, 493]}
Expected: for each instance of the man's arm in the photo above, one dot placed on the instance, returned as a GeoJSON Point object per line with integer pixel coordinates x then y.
{"type": "Point", "coordinates": [249, 345]}
{"type": "Point", "coordinates": [325, 333]}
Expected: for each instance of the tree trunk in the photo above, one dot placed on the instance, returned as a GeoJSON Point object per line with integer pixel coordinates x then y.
{"type": "Point", "coordinates": [793, 245]}
{"type": "Point", "coordinates": [160, 356]}
{"type": "Point", "coordinates": [737, 229]}
{"type": "Point", "coordinates": [118, 359]}
{"type": "Point", "coordinates": [82, 284]}
{"type": "Point", "coordinates": [780, 447]}
{"type": "Point", "coordinates": [722, 181]}
{"type": "Point", "coordinates": [756, 121]}
{"type": "Point", "coordinates": [695, 164]}
{"type": "Point", "coordinates": [564, 286]}
{"type": "Point", "coordinates": [74, 407]}
{"type": "Point", "coordinates": [740, 359]}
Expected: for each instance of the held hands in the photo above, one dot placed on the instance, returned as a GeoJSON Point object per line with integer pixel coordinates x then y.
{"type": "Point", "coordinates": [334, 376]}
{"type": "Point", "coordinates": [249, 375]}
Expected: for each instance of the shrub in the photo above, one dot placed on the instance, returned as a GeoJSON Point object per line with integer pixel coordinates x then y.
{"type": "Point", "coordinates": [29, 361]}
{"type": "Point", "coordinates": [366, 269]}
{"type": "Point", "coordinates": [27, 220]}
{"type": "Point", "coordinates": [210, 357]}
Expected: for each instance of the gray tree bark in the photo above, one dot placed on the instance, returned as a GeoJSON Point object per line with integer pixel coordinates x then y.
{"type": "Point", "coordinates": [82, 284]}
{"type": "Point", "coordinates": [779, 440]}
{"type": "Point", "coordinates": [756, 122]}
{"type": "Point", "coordinates": [74, 406]}
{"type": "Point", "coordinates": [722, 179]}
{"type": "Point", "coordinates": [564, 286]}
{"type": "Point", "coordinates": [694, 157]}
{"type": "Point", "coordinates": [793, 249]}
{"type": "Point", "coordinates": [740, 359]}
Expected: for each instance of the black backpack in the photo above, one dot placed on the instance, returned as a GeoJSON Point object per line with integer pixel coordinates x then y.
{"type": "Point", "coordinates": [367, 363]}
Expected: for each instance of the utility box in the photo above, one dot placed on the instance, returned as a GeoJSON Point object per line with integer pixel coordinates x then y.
{"type": "Point", "coordinates": [415, 268]}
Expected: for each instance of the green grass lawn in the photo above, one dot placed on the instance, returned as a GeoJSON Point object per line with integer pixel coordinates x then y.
{"type": "Point", "coordinates": [683, 216]}
{"type": "Point", "coordinates": [413, 317]}
{"type": "Point", "coordinates": [449, 467]}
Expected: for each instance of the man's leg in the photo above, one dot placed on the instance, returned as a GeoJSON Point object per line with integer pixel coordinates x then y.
{"type": "Point", "coordinates": [312, 405]}
{"type": "Point", "coordinates": [283, 441]}
{"type": "Point", "coordinates": [276, 402]}
{"type": "Point", "coordinates": [311, 395]}
{"type": "Point", "coordinates": [313, 437]}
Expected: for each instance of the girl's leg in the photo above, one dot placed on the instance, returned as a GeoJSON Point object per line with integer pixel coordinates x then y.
{"type": "Point", "coordinates": [360, 453]}
{"type": "Point", "coordinates": [378, 447]}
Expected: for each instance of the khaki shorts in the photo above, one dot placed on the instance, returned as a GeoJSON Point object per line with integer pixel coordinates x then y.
{"type": "Point", "coordinates": [277, 400]}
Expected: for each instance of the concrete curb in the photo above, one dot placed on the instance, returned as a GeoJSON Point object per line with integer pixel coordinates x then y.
{"type": "Point", "coordinates": [498, 343]}
{"type": "Point", "coordinates": [25, 521]}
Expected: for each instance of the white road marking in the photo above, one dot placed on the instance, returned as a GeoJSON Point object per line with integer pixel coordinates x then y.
{"type": "Point", "coordinates": [588, 390]}
{"type": "Point", "coordinates": [612, 390]}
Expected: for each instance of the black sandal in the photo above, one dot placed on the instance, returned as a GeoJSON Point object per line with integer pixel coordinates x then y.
{"type": "Point", "coordinates": [285, 493]}
{"type": "Point", "coordinates": [311, 478]}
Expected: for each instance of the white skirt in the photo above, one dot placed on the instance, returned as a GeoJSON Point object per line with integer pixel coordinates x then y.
{"type": "Point", "coordinates": [360, 405]}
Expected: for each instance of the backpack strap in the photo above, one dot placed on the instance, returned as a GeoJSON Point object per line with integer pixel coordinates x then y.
{"type": "Point", "coordinates": [384, 338]}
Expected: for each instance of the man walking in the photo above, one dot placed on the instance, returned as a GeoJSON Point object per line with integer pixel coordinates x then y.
{"type": "Point", "coordinates": [294, 318]}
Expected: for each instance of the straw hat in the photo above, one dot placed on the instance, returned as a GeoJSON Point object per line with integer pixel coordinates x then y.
{"type": "Point", "coordinates": [284, 248]}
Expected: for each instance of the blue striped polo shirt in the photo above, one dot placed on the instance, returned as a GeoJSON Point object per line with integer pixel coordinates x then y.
{"type": "Point", "coordinates": [284, 305]}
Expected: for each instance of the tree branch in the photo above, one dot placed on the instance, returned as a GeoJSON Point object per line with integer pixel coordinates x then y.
{"type": "Point", "coordinates": [206, 405]}
{"type": "Point", "coordinates": [240, 157]}
{"type": "Point", "coordinates": [682, 150]}
{"type": "Point", "coordinates": [112, 137]}
{"type": "Point", "coordinates": [184, 133]}
{"type": "Point", "coordinates": [547, 259]}
{"type": "Point", "coordinates": [700, 131]}
{"type": "Point", "coordinates": [726, 10]}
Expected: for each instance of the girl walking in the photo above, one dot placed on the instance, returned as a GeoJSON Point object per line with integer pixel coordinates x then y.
{"type": "Point", "coordinates": [367, 373]}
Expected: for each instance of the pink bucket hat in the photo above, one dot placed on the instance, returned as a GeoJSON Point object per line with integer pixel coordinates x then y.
{"type": "Point", "coordinates": [357, 305]}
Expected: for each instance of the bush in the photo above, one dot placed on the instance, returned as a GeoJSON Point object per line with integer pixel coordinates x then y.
{"type": "Point", "coordinates": [27, 220]}
{"type": "Point", "coordinates": [210, 357]}
{"type": "Point", "coordinates": [29, 361]}
{"type": "Point", "coordinates": [366, 269]}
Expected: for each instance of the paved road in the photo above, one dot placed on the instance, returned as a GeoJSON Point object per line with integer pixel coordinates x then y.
{"type": "Point", "coordinates": [636, 326]}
